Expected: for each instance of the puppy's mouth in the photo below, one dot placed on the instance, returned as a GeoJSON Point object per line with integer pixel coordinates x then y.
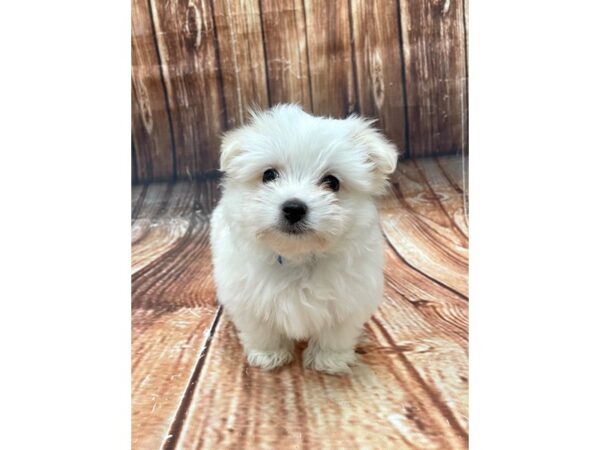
{"type": "Point", "coordinates": [293, 239]}
{"type": "Point", "coordinates": [294, 230]}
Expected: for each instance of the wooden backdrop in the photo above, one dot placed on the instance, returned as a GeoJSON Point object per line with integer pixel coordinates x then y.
{"type": "Point", "coordinates": [198, 64]}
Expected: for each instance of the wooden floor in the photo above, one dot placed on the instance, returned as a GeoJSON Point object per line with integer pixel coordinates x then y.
{"type": "Point", "coordinates": [192, 388]}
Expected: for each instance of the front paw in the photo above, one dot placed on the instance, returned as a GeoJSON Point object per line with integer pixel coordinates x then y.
{"type": "Point", "coordinates": [329, 361]}
{"type": "Point", "coordinates": [269, 360]}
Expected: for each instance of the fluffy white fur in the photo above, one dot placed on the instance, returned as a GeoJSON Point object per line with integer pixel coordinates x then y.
{"type": "Point", "coordinates": [330, 278]}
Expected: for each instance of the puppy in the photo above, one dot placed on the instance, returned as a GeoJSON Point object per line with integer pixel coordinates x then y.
{"type": "Point", "coordinates": [297, 248]}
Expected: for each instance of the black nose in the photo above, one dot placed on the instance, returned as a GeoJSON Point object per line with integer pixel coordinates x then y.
{"type": "Point", "coordinates": [294, 210]}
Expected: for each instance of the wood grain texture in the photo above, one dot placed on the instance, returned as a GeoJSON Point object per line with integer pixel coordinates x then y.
{"type": "Point", "coordinates": [434, 324]}
{"type": "Point", "coordinates": [191, 385]}
{"type": "Point", "coordinates": [188, 49]}
{"type": "Point", "coordinates": [286, 52]}
{"type": "Point", "coordinates": [382, 405]}
{"type": "Point", "coordinates": [161, 235]}
{"type": "Point", "coordinates": [465, 125]}
{"type": "Point", "coordinates": [173, 304]}
{"type": "Point", "coordinates": [433, 37]}
{"type": "Point", "coordinates": [165, 352]}
{"type": "Point", "coordinates": [378, 63]}
{"type": "Point", "coordinates": [134, 176]}
{"type": "Point", "coordinates": [198, 65]}
{"type": "Point", "coordinates": [150, 127]}
{"type": "Point", "coordinates": [450, 193]}
{"type": "Point", "coordinates": [419, 223]}
{"type": "Point", "coordinates": [457, 173]}
{"type": "Point", "coordinates": [329, 36]}
{"type": "Point", "coordinates": [242, 57]}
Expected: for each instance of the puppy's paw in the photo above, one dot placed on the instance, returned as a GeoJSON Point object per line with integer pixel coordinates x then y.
{"type": "Point", "coordinates": [328, 361]}
{"type": "Point", "coordinates": [269, 360]}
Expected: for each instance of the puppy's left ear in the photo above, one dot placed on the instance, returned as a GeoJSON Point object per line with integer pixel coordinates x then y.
{"type": "Point", "coordinates": [381, 154]}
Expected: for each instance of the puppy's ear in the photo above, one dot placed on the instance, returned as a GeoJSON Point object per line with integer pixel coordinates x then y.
{"type": "Point", "coordinates": [231, 142]}
{"type": "Point", "coordinates": [381, 154]}
{"type": "Point", "coordinates": [230, 148]}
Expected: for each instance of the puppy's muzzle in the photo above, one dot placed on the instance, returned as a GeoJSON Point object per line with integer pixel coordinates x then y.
{"type": "Point", "coordinates": [294, 210]}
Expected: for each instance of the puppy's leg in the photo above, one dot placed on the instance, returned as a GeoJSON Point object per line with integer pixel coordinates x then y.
{"type": "Point", "coordinates": [332, 350]}
{"type": "Point", "coordinates": [264, 347]}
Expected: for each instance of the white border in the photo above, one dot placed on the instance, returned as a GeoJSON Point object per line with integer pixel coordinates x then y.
{"type": "Point", "coordinates": [534, 225]}
{"type": "Point", "coordinates": [65, 227]}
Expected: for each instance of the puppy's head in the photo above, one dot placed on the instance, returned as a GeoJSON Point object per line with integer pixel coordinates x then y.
{"type": "Point", "coordinates": [298, 183]}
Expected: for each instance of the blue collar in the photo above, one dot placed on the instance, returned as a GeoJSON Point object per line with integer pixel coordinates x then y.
{"type": "Point", "coordinates": [312, 260]}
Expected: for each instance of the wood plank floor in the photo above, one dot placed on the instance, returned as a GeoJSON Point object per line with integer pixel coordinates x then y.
{"type": "Point", "coordinates": [191, 387]}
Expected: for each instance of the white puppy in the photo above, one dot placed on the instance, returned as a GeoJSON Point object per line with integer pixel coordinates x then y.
{"type": "Point", "coordinates": [297, 248]}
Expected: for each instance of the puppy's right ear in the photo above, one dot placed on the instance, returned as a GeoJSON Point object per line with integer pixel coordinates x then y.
{"type": "Point", "coordinates": [230, 148]}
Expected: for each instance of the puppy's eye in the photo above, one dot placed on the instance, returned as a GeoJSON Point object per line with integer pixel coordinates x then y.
{"type": "Point", "coordinates": [270, 175]}
{"type": "Point", "coordinates": [331, 182]}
